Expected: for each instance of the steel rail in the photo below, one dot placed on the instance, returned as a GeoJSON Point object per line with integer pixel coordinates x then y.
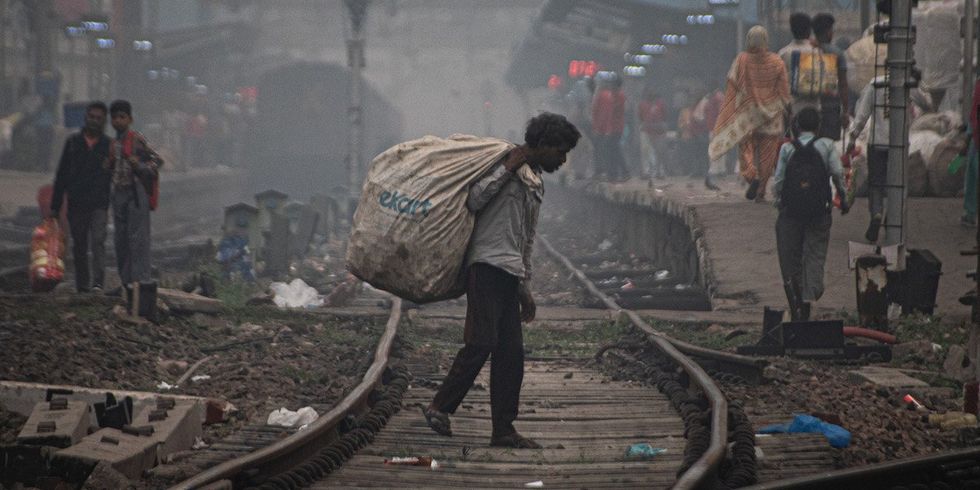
{"type": "Point", "coordinates": [318, 433]}
{"type": "Point", "coordinates": [705, 469]}
{"type": "Point", "coordinates": [865, 475]}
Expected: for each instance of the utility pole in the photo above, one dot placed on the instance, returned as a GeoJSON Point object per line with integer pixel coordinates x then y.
{"type": "Point", "coordinates": [969, 33]}
{"type": "Point", "coordinates": [898, 64]}
{"type": "Point", "coordinates": [865, 13]}
{"type": "Point", "coordinates": [4, 29]}
{"type": "Point", "coordinates": [357, 12]}
{"type": "Point", "coordinates": [125, 69]}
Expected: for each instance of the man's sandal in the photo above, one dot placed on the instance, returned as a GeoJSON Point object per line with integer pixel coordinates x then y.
{"type": "Point", "coordinates": [438, 422]}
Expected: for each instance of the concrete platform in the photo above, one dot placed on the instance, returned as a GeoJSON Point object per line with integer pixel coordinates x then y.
{"type": "Point", "coordinates": [740, 243]}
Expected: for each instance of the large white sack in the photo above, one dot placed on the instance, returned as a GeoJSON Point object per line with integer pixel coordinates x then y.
{"type": "Point", "coordinates": [921, 146]}
{"type": "Point", "coordinates": [861, 61]}
{"type": "Point", "coordinates": [938, 46]}
{"type": "Point", "coordinates": [412, 227]}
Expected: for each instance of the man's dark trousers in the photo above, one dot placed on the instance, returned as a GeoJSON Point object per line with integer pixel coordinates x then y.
{"type": "Point", "coordinates": [88, 231]}
{"type": "Point", "coordinates": [493, 326]}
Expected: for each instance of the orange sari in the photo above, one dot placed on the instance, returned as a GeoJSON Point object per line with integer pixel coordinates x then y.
{"type": "Point", "coordinates": [756, 95]}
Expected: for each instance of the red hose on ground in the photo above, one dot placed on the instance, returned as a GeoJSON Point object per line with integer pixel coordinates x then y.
{"type": "Point", "coordinates": [885, 338]}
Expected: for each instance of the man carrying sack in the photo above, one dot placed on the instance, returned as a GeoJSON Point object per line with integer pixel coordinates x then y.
{"type": "Point", "coordinates": [506, 200]}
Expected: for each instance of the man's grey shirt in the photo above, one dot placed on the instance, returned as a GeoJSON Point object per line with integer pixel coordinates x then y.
{"type": "Point", "coordinates": [506, 216]}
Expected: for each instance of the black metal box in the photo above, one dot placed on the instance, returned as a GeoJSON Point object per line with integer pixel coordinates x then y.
{"type": "Point", "coordinates": [814, 338]}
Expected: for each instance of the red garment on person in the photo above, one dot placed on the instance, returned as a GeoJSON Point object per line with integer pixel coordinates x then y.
{"type": "Point", "coordinates": [608, 112]}
{"type": "Point", "coordinates": [653, 117]}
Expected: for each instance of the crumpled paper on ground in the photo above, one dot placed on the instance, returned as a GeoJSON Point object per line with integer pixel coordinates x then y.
{"type": "Point", "coordinates": [285, 417]}
{"type": "Point", "coordinates": [296, 294]}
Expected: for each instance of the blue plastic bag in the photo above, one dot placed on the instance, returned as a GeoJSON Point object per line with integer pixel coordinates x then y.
{"type": "Point", "coordinates": [643, 451]}
{"type": "Point", "coordinates": [838, 436]}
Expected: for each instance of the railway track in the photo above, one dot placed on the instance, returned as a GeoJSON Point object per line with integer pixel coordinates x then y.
{"type": "Point", "coordinates": [585, 419]}
{"type": "Point", "coordinates": [305, 455]}
{"type": "Point", "coordinates": [584, 413]}
{"type": "Point", "coordinates": [945, 470]}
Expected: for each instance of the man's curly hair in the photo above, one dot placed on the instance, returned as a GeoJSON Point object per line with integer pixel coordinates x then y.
{"type": "Point", "coordinates": [551, 130]}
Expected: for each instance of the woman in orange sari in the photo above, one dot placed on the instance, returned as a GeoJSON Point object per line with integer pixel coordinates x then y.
{"type": "Point", "coordinates": [751, 117]}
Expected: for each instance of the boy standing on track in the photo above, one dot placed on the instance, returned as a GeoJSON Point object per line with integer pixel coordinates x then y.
{"type": "Point", "coordinates": [506, 201]}
{"type": "Point", "coordinates": [134, 168]}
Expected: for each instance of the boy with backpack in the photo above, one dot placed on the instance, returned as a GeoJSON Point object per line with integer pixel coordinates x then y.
{"type": "Point", "coordinates": [134, 167]}
{"type": "Point", "coordinates": [807, 165]}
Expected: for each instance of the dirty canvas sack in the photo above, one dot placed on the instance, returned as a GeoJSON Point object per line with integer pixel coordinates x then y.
{"type": "Point", "coordinates": [411, 228]}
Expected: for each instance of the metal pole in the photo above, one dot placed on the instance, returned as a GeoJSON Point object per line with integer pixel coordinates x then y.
{"type": "Point", "coordinates": [969, 32]}
{"type": "Point", "coordinates": [898, 62]}
{"type": "Point", "coordinates": [975, 313]}
{"type": "Point", "coordinates": [865, 14]}
{"type": "Point", "coordinates": [739, 33]}
{"type": "Point", "coordinates": [4, 23]}
{"type": "Point", "coordinates": [357, 9]}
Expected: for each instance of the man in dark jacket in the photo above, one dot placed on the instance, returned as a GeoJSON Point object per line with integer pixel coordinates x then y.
{"type": "Point", "coordinates": [82, 175]}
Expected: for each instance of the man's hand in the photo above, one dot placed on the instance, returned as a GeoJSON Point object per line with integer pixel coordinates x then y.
{"type": "Point", "coordinates": [528, 308]}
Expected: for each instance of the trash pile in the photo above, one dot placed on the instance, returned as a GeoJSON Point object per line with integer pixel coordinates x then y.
{"type": "Point", "coordinates": [296, 245]}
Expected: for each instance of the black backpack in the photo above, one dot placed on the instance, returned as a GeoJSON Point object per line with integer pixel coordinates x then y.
{"type": "Point", "coordinates": [806, 185]}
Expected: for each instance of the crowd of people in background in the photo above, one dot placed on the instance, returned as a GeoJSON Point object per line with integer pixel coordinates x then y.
{"type": "Point", "coordinates": [775, 109]}
{"type": "Point", "coordinates": [649, 135]}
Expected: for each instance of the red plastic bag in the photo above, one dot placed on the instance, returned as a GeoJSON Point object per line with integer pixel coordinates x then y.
{"type": "Point", "coordinates": [47, 256]}
{"type": "Point", "coordinates": [845, 161]}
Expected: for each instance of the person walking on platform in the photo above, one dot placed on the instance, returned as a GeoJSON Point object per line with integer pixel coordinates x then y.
{"type": "Point", "coordinates": [752, 116]}
{"type": "Point", "coordinates": [82, 176]}
{"type": "Point", "coordinates": [652, 113]}
{"type": "Point", "coordinates": [134, 167]}
{"type": "Point", "coordinates": [807, 167]}
{"type": "Point", "coordinates": [506, 202]}
{"type": "Point", "coordinates": [608, 123]}
{"type": "Point", "coordinates": [798, 57]}
{"type": "Point", "coordinates": [871, 107]}
{"type": "Point", "coordinates": [834, 94]}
